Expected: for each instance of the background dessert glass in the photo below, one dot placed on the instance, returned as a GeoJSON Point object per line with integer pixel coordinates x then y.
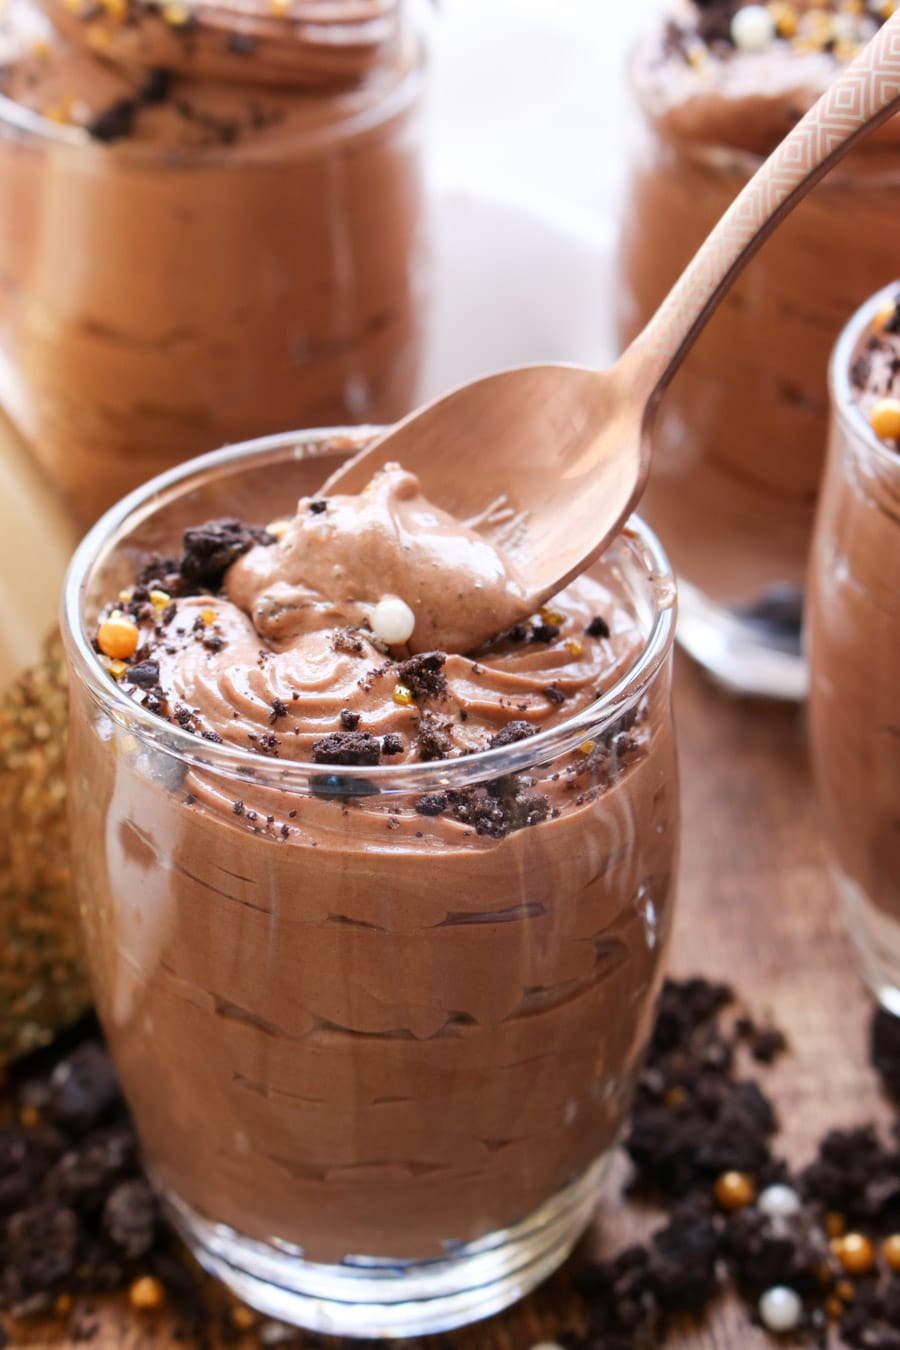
{"type": "Point", "coordinates": [853, 642]}
{"type": "Point", "coordinates": [741, 434]}
{"type": "Point", "coordinates": [376, 1071]}
{"type": "Point", "coordinates": [160, 300]}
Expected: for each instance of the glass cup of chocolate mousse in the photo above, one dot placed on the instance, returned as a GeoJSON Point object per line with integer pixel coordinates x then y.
{"type": "Point", "coordinates": [853, 639]}
{"type": "Point", "coordinates": [211, 225]}
{"type": "Point", "coordinates": [741, 436]}
{"type": "Point", "coordinates": [376, 927]}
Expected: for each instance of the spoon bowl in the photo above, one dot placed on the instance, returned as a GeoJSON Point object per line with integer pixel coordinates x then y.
{"type": "Point", "coordinates": [577, 469]}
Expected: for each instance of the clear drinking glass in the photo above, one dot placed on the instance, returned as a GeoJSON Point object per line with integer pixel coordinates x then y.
{"type": "Point", "coordinates": [853, 642]}
{"type": "Point", "coordinates": [741, 435]}
{"type": "Point", "coordinates": [159, 302]}
{"type": "Point", "coordinates": [376, 1068]}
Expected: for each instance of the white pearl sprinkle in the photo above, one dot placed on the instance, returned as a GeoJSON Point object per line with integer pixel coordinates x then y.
{"type": "Point", "coordinates": [753, 28]}
{"type": "Point", "coordinates": [393, 621]}
{"type": "Point", "coordinates": [779, 1202]}
{"type": "Point", "coordinates": [780, 1308]}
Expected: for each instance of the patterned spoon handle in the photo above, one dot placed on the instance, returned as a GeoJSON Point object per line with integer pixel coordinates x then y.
{"type": "Point", "coordinates": [863, 97]}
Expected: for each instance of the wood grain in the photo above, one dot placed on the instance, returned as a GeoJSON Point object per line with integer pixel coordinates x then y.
{"type": "Point", "coordinates": [756, 909]}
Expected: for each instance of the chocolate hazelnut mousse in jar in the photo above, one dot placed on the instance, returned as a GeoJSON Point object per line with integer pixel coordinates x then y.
{"type": "Point", "coordinates": [211, 225]}
{"type": "Point", "coordinates": [741, 435]}
{"type": "Point", "coordinates": [376, 922]}
{"type": "Point", "coordinates": [853, 639]}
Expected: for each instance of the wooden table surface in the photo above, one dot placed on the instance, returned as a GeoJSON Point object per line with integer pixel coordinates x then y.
{"type": "Point", "coordinates": [755, 909]}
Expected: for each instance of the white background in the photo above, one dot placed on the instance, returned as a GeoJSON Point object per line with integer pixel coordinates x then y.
{"type": "Point", "coordinates": [531, 94]}
{"type": "Point", "coordinates": [528, 142]}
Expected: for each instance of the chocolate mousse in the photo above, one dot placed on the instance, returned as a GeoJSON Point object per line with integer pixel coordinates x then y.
{"type": "Point", "coordinates": [854, 636]}
{"type": "Point", "coordinates": [217, 227]}
{"type": "Point", "coordinates": [741, 436]}
{"type": "Point", "coordinates": [377, 951]}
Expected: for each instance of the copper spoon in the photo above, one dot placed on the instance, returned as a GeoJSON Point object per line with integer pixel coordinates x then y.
{"type": "Point", "coordinates": [550, 460]}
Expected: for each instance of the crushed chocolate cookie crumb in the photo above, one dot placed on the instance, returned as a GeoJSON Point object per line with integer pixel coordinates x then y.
{"type": "Point", "coordinates": [279, 709]}
{"type": "Point", "coordinates": [391, 744]}
{"type": "Point", "coordinates": [242, 44]}
{"type": "Point", "coordinates": [498, 808]}
{"type": "Point", "coordinates": [511, 733]}
{"type": "Point", "coordinates": [597, 628]}
{"type": "Point", "coordinates": [346, 641]}
{"type": "Point", "coordinates": [347, 747]}
{"type": "Point", "coordinates": [544, 632]}
{"type": "Point", "coordinates": [115, 122]}
{"type": "Point", "coordinates": [432, 804]}
{"type": "Point", "coordinates": [553, 693]}
{"type": "Point", "coordinates": [210, 549]}
{"type": "Point", "coordinates": [423, 675]}
{"type": "Point", "coordinates": [433, 740]}
{"type": "Point", "coordinates": [318, 507]}
{"type": "Point", "coordinates": [156, 87]}
{"type": "Point", "coordinates": [145, 674]}
{"type": "Point", "coordinates": [349, 720]}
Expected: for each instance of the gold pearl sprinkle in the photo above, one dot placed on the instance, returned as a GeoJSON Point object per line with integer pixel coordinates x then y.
{"type": "Point", "coordinates": [160, 599]}
{"type": "Point", "coordinates": [208, 616]}
{"type": "Point", "coordinates": [575, 646]}
{"type": "Point", "coordinates": [402, 695]}
{"type": "Point", "coordinates": [891, 1251]}
{"type": "Point", "coordinates": [587, 748]}
{"type": "Point", "coordinates": [855, 1253]}
{"type": "Point", "coordinates": [549, 615]}
{"type": "Point", "coordinates": [280, 8]}
{"type": "Point", "coordinates": [734, 1190]}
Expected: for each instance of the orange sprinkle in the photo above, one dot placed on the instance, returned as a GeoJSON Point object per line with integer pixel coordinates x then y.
{"type": "Point", "coordinates": [885, 419]}
{"type": "Point", "coordinates": [117, 637]}
{"type": "Point", "coordinates": [147, 1294]}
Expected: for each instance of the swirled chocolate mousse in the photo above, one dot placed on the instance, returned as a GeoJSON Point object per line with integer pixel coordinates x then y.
{"type": "Point", "coordinates": [741, 438]}
{"type": "Point", "coordinates": [854, 631]}
{"type": "Point", "coordinates": [218, 227]}
{"type": "Point", "coordinates": [350, 1014]}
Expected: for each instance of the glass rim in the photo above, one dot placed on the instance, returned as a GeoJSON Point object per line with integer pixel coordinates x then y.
{"type": "Point", "coordinates": [845, 407]}
{"type": "Point", "coordinates": [33, 127]}
{"type": "Point", "coordinates": [235, 762]}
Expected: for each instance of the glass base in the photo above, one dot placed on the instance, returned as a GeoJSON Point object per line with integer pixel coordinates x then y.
{"type": "Point", "coordinates": [753, 650]}
{"type": "Point", "coordinates": [378, 1297]}
{"type": "Point", "coordinates": [876, 938]}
